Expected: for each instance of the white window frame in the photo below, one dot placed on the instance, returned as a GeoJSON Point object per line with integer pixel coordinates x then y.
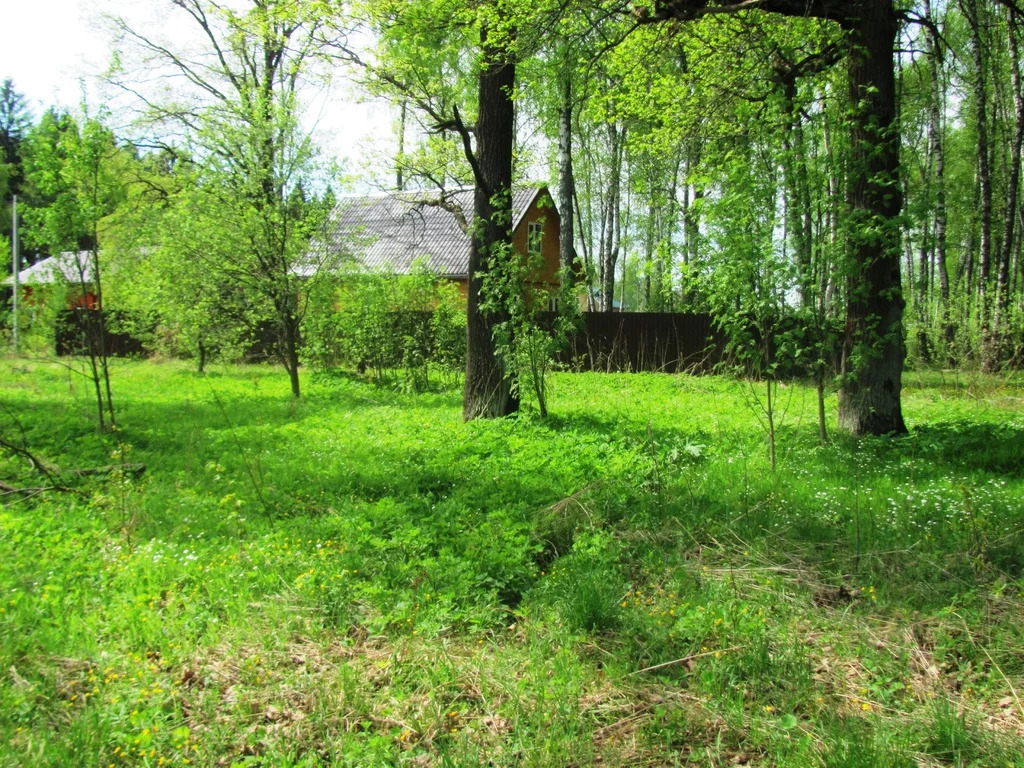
{"type": "Point", "coordinates": [534, 238]}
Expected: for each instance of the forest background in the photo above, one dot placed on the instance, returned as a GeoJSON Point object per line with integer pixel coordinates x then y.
{"type": "Point", "coordinates": [701, 161]}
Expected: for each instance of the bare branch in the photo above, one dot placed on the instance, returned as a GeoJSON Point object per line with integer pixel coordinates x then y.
{"type": "Point", "coordinates": [467, 148]}
{"type": "Point", "coordinates": [445, 202]}
{"type": "Point", "coordinates": [34, 461]}
{"type": "Point", "coordinates": [187, 70]}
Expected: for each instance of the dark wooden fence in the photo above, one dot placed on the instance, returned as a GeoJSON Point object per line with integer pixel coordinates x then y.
{"type": "Point", "coordinates": [72, 333]}
{"type": "Point", "coordinates": [606, 341]}
{"type": "Point", "coordinates": [643, 341]}
{"type": "Point", "coordinates": [610, 342]}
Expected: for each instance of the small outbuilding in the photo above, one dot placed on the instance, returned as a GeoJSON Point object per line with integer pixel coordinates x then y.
{"type": "Point", "coordinates": [71, 269]}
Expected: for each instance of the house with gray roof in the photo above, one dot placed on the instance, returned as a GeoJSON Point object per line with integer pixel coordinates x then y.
{"type": "Point", "coordinates": [73, 269]}
{"type": "Point", "coordinates": [391, 232]}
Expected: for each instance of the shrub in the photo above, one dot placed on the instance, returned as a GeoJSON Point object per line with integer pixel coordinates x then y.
{"type": "Point", "coordinates": [397, 327]}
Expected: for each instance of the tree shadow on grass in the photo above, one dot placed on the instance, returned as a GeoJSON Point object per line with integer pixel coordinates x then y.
{"type": "Point", "coordinates": [634, 430]}
{"type": "Point", "coordinates": [931, 451]}
{"type": "Point", "coordinates": [996, 448]}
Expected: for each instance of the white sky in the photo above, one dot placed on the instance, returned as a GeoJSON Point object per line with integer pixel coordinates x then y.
{"type": "Point", "coordinates": [54, 50]}
{"type": "Point", "coordinates": [47, 46]}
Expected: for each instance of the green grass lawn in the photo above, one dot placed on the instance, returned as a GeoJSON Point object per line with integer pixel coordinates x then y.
{"type": "Point", "coordinates": [360, 579]}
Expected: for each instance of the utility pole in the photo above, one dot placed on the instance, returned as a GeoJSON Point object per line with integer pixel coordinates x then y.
{"type": "Point", "coordinates": [16, 265]}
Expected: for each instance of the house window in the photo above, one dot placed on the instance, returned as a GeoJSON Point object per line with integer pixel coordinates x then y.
{"type": "Point", "coordinates": [534, 236]}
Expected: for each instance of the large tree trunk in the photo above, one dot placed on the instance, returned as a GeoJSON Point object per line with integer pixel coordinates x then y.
{"type": "Point", "coordinates": [1002, 308]}
{"type": "Point", "coordinates": [286, 317]}
{"type": "Point", "coordinates": [290, 346]}
{"type": "Point", "coordinates": [488, 390]}
{"type": "Point", "coordinates": [872, 368]}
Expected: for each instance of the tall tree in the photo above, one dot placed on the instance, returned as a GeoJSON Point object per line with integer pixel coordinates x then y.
{"type": "Point", "coordinates": [1010, 219]}
{"type": "Point", "coordinates": [566, 177]}
{"type": "Point", "coordinates": [423, 47]}
{"type": "Point", "coordinates": [973, 11]}
{"type": "Point", "coordinates": [789, 69]}
{"type": "Point", "coordinates": [240, 113]}
{"type": "Point", "coordinates": [937, 164]}
{"type": "Point", "coordinates": [869, 397]}
{"type": "Point", "coordinates": [610, 237]}
{"type": "Point", "coordinates": [489, 389]}
{"type": "Point", "coordinates": [76, 169]}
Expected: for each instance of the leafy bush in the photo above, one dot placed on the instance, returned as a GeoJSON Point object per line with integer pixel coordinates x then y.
{"type": "Point", "coordinates": [394, 326]}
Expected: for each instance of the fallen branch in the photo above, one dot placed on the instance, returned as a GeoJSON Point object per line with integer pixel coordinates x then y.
{"type": "Point", "coordinates": [37, 464]}
{"type": "Point", "coordinates": [135, 470]}
{"type": "Point", "coordinates": [7, 489]}
{"type": "Point", "coordinates": [52, 473]}
{"type": "Point", "coordinates": [684, 660]}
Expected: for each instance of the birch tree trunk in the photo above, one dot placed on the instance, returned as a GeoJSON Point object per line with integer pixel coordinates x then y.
{"type": "Point", "coordinates": [989, 354]}
{"type": "Point", "coordinates": [566, 182]}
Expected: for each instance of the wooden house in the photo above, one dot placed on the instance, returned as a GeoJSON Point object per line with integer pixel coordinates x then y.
{"type": "Point", "coordinates": [392, 232]}
{"type": "Point", "coordinates": [71, 270]}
